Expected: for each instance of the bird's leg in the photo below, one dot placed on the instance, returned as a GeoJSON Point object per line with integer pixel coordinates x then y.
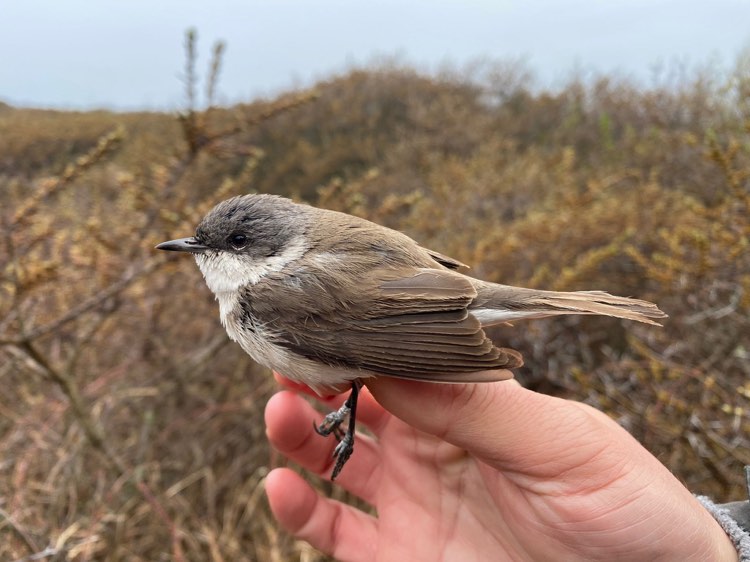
{"type": "Point", "coordinates": [331, 424]}
{"type": "Point", "coordinates": [333, 420]}
{"type": "Point", "coordinates": [345, 448]}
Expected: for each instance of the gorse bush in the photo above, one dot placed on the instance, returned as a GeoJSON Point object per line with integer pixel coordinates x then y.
{"type": "Point", "coordinates": [131, 429]}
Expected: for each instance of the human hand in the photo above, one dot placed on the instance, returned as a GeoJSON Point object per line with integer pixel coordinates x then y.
{"type": "Point", "coordinates": [485, 472]}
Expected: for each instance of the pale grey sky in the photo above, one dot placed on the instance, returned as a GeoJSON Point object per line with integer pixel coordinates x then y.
{"type": "Point", "coordinates": [129, 54]}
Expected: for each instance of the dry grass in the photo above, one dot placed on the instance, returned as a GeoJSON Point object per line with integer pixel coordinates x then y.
{"type": "Point", "coordinates": [132, 430]}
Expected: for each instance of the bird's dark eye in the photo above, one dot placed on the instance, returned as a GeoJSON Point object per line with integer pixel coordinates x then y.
{"type": "Point", "coordinates": [237, 240]}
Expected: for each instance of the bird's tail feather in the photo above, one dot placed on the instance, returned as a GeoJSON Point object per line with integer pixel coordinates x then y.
{"type": "Point", "coordinates": [500, 303]}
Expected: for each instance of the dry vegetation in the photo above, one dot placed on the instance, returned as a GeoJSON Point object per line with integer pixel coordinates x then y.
{"type": "Point", "coordinates": [131, 429]}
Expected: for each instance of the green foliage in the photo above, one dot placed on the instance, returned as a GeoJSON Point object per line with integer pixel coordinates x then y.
{"type": "Point", "coordinates": [132, 430]}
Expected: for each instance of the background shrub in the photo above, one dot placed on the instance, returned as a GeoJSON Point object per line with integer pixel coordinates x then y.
{"type": "Point", "coordinates": [131, 429]}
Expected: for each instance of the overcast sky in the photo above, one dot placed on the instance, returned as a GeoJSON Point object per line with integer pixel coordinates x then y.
{"type": "Point", "coordinates": [128, 54]}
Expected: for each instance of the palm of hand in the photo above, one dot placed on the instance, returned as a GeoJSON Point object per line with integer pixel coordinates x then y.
{"type": "Point", "coordinates": [512, 498]}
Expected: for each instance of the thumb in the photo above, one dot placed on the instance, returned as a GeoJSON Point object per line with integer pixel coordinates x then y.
{"type": "Point", "coordinates": [504, 424]}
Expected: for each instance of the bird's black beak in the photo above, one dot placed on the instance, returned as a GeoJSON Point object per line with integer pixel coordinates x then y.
{"type": "Point", "coordinates": [183, 245]}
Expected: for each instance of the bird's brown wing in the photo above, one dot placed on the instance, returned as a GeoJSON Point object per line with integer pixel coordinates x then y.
{"type": "Point", "coordinates": [409, 323]}
{"type": "Point", "coordinates": [447, 261]}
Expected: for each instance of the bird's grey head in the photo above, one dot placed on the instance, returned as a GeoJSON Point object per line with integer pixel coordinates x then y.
{"type": "Point", "coordinates": [245, 238]}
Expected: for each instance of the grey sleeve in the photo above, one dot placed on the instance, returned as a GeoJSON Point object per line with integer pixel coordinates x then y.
{"type": "Point", "coordinates": [725, 515]}
{"type": "Point", "coordinates": [734, 518]}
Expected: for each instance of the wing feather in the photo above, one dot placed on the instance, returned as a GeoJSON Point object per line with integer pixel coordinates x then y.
{"type": "Point", "coordinates": [410, 323]}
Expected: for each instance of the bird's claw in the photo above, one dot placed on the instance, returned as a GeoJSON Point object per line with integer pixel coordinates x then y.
{"type": "Point", "coordinates": [332, 422]}
{"type": "Point", "coordinates": [342, 452]}
{"type": "Point", "coordinates": [332, 425]}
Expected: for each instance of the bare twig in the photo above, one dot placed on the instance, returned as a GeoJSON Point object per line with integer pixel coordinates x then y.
{"type": "Point", "coordinates": [19, 531]}
{"type": "Point", "coordinates": [46, 553]}
{"type": "Point", "coordinates": [164, 516]}
{"type": "Point", "coordinates": [104, 146]}
{"type": "Point", "coordinates": [66, 383]}
{"type": "Point", "coordinates": [213, 72]}
{"type": "Point", "coordinates": [87, 305]}
{"type": "Point", "coordinates": [190, 79]}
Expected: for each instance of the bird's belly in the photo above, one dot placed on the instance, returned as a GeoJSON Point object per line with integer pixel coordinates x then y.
{"type": "Point", "coordinates": [257, 341]}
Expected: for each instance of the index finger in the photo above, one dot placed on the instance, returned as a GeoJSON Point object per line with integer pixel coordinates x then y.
{"type": "Point", "coordinates": [369, 412]}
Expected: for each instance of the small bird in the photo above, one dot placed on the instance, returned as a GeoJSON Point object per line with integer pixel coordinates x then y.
{"type": "Point", "coordinates": [328, 299]}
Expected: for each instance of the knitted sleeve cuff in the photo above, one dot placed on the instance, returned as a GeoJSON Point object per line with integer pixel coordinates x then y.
{"type": "Point", "coordinates": [723, 515]}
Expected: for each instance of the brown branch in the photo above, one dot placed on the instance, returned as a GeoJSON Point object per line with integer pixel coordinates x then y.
{"type": "Point", "coordinates": [104, 146]}
{"type": "Point", "coordinates": [177, 553]}
{"type": "Point", "coordinates": [197, 359]}
{"type": "Point", "coordinates": [87, 305]}
{"type": "Point", "coordinates": [66, 383]}
{"type": "Point", "coordinates": [281, 107]}
{"type": "Point", "coordinates": [46, 553]}
{"type": "Point", "coordinates": [19, 531]}
{"type": "Point", "coordinates": [213, 72]}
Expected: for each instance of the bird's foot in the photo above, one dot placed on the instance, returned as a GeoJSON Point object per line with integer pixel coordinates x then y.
{"type": "Point", "coordinates": [332, 425]}
{"type": "Point", "coordinates": [342, 452]}
{"type": "Point", "coordinates": [332, 422]}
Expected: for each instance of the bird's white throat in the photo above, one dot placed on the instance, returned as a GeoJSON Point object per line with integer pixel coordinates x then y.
{"type": "Point", "coordinates": [227, 272]}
